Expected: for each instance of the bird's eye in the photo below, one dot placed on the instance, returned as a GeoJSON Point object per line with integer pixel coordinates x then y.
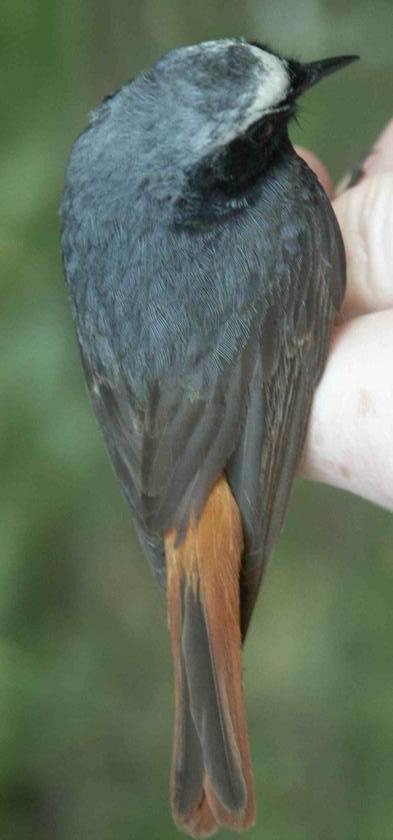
{"type": "Point", "coordinates": [261, 131]}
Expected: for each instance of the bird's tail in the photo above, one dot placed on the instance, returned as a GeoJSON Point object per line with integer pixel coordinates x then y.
{"type": "Point", "coordinates": [211, 770]}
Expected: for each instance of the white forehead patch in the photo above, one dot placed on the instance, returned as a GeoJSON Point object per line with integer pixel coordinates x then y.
{"type": "Point", "coordinates": [272, 73]}
{"type": "Point", "coordinates": [273, 77]}
{"type": "Point", "coordinates": [273, 83]}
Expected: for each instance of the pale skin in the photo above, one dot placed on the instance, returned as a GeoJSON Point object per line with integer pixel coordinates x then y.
{"type": "Point", "coordinates": [349, 441]}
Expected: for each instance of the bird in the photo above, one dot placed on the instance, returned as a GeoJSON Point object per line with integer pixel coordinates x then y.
{"type": "Point", "coordinates": [205, 270]}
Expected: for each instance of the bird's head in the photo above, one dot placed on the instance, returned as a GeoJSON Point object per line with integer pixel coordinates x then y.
{"type": "Point", "coordinates": [205, 119]}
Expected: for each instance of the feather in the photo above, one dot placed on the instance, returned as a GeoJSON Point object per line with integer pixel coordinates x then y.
{"type": "Point", "coordinates": [204, 620]}
{"type": "Point", "coordinates": [204, 291]}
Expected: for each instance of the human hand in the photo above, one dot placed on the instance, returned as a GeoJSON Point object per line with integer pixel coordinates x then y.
{"type": "Point", "coordinates": [350, 436]}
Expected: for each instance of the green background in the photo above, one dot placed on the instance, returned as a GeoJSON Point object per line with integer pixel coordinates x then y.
{"type": "Point", "coordinates": [85, 673]}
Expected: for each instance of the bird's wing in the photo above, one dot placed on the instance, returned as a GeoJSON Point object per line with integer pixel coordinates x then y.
{"type": "Point", "coordinates": [238, 402]}
{"type": "Point", "coordinates": [168, 451]}
{"type": "Point", "coordinates": [293, 356]}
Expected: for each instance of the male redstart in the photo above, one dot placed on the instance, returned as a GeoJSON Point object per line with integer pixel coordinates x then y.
{"type": "Point", "coordinates": [205, 268]}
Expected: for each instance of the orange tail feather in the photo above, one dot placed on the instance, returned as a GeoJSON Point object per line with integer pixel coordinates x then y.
{"type": "Point", "coordinates": [211, 770]}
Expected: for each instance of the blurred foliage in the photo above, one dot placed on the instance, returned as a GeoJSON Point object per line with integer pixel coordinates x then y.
{"type": "Point", "coordinates": [85, 673]}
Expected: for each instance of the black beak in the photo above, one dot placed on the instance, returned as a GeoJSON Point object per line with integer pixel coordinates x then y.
{"type": "Point", "coordinates": [307, 75]}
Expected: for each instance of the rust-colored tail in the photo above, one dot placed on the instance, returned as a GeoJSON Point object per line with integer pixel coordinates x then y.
{"type": "Point", "coordinates": [211, 771]}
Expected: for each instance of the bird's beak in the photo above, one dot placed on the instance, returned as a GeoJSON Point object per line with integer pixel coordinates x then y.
{"type": "Point", "coordinates": [310, 74]}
